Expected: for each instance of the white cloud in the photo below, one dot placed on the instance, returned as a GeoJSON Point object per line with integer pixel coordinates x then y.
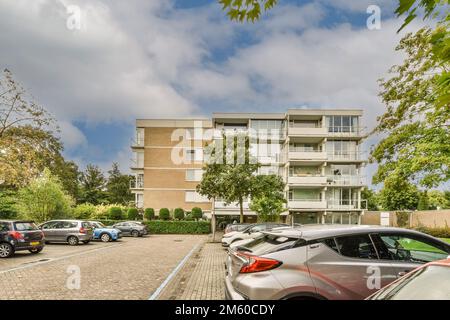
{"type": "Point", "coordinates": [71, 136]}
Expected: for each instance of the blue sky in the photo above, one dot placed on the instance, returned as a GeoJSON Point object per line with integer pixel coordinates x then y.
{"type": "Point", "coordinates": [161, 58]}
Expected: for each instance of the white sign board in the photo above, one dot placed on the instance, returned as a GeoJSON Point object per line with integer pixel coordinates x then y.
{"type": "Point", "coordinates": [385, 219]}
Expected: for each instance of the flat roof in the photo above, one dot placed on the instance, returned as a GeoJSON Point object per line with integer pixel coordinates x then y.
{"type": "Point", "coordinates": [174, 123]}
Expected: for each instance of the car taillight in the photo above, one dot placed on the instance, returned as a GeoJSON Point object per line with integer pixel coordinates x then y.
{"type": "Point", "coordinates": [16, 235]}
{"type": "Point", "coordinates": [257, 264]}
{"type": "Point", "coordinates": [83, 230]}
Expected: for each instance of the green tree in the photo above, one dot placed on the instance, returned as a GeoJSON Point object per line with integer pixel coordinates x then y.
{"type": "Point", "coordinates": [229, 172]}
{"type": "Point", "coordinates": [69, 175]}
{"type": "Point", "coordinates": [423, 203]}
{"type": "Point", "coordinates": [44, 199]}
{"type": "Point", "coordinates": [416, 124]}
{"type": "Point", "coordinates": [84, 211]}
{"type": "Point", "coordinates": [178, 214]}
{"type": "Point", "coordinates": [164, 214]}
{"type": "Point", "coordinates": [27, 135]}
{"type": "Point", "coordinates": [118, 186]}
{"type": "Point", "coordinates": [372, 199]}
{"type": "Point", "coordinates": [133, 214]}
{"type": "Point", "coordinates": [8, 201]}
{"type": "Point", "coordinates": [436, 199]}
{"type": "Point", "coordinates": [93, 186]}
{"type": "Point", "coordinates": [398, 194]}
{"type": "Point", "coordinates": [196, 213]}
{"type": "Point", "coordinates": [268, 198]}
{"type": "Point", "coordinates": [149, 213]}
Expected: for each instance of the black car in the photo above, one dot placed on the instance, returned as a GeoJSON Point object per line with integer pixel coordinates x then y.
{"type": "Point", "coordinates": [131, 228]}
{"type": "Point", "coordinates": [19, 235]}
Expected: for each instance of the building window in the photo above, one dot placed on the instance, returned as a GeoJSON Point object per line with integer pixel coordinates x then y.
{"type": "Point", "coordinates": [139, 200]}
{"type": "Point", "coordinates": [342, 124]}
{"type": "Point", "coordinates": [194, 174]}
{"type": "Point", "coordinates": [192, 196]}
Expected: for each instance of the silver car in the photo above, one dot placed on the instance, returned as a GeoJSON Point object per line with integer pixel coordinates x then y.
{"type": "Point", "coordinates": [326, 262]}
{"type": "Point", "coordinates": [70, 231]}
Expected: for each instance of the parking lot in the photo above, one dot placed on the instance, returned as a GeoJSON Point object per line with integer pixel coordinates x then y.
{"type": "Point", "coordinates": [132, 268]}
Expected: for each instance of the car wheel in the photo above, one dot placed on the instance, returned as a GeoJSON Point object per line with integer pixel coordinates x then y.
{"type": "Point", "coordinates": [135, 233]}
{"type": "Point", "coordinates": [72, 240]}
{"type": "Point", "coordinates": [6, 250]}
{"type": "Point", "coordinates": [105, 237]}
{"type": "Point", "coordinates": [35, 250]}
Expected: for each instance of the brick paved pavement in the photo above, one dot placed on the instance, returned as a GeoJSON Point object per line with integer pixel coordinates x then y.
{"type": "Point", "coordinates": [201, 278]}
{"type": "Point", "coordinates": [129, 269]}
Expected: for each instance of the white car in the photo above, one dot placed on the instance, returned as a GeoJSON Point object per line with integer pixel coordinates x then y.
{"type": "Point", "coordinates": [251, 232]}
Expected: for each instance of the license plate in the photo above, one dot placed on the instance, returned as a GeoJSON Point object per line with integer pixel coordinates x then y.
{"type": "Point", "coordinates": [35, 243]}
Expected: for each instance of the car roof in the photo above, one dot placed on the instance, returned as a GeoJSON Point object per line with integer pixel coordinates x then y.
{"type": "Point", "coordinates": [311, 232]}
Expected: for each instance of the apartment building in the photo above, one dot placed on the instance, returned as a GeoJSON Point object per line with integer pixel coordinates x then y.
{"type": "Point", "coordinates": [317, 153]}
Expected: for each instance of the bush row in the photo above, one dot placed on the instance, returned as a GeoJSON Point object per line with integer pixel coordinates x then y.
{"type": "Point", "coordinates": [435, 232]}
{"type": "Point", "coordinates": [172, 227]}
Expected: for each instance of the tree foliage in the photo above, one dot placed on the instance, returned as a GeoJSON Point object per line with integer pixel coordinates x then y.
{"type": "Point", "coordinates": [246, 10]}
{"type": "Point", "coordinates": [8, 200]}
{"type": "Point", "coordinates": [27, 135]}
{"type": "Point", "coordinates": [196, 213]}
{"type": "Point", "coordinates": [118, 186]}
{"type": "Point", "coordinates": [93, 185]}
{"type": "Point", "coordinates": [44, 199]}
{"type": "Point", "coordinates": [229, 172]}
{"type": "Point", "coordinates": [398, 194]}
{"type": "Point", "coordinates": [268, 198]}
{"type": "Point", "coordinates": [372, 199]}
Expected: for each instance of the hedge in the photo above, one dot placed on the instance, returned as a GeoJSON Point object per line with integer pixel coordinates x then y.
{"type": "Point", "coordinates": [435, 232]}
{"type": "Point", "coordinates": [172, 227]}
{"type": "Point", "coordinates": [149, 214]}
{"type": "Point", "coordinates": [178, 227]}
{"type": "Point", "coordinates": [178, 214]}
{"type": "Point", "coordinates": [164, 214]}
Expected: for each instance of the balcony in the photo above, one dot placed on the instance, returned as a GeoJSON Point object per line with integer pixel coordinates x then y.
{"type": "Point", "coordinates": [340, 204]}
{"type": "Point", "coordinates": [307, 204]}
{"type": "Point", "coordinates": [345, 156]}
{"type": "Point", "coordinates": [137, 165]}
{"type": "Point", "coordinates": [137, 143]}
{"type": "Point", "coordinates": [307, 180]}
{"type": "Point", "coordinates": [346, 180]}
{"type": "Point", "coordinates": [134, 185]}
{"type": "Point", "coordinates": [305, 154]}
{"type": "Point", "coordinates": [347, 132]}
{"type": "Point", "coordinates": [307, 131]}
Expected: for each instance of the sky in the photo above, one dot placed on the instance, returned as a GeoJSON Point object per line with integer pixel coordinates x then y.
{"type": "Point", "coordinates": [181, 58]}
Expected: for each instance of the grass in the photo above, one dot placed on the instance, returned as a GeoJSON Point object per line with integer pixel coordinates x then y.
{"type": "Point", "coordinates": [446, 240]}
{"type": "Point", "coordinates": [419, 246]}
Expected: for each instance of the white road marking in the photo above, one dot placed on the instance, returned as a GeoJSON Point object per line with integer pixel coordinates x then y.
{"type": "Point", "coordinates": [38, 263]}
{"type": "Point", "coordinates": [155, 294]}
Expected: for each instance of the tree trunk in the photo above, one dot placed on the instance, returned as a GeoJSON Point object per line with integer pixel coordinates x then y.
{"type": "Point", "coordinates": [241, 209]}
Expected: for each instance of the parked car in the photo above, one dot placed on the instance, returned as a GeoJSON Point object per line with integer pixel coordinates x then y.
{"type": "Point", "coordinates": [326, 261]}
{"type": "Point", "coordinates": [235, 227]}
{"type": "Point", "coordinates": [429, 282]}
{"type": "Point", "coordinates": [104, 233]}
{"type": "Point", "coordinates": [131, 228]}
{"type": "Point", "coordinates": [70, 231]}
{"type": "Point", "coordinates": [251, 232]}
{"type": "Point", "coordinates": [18, 235]}
{"type": "Point", "coordinates": [140, 223]}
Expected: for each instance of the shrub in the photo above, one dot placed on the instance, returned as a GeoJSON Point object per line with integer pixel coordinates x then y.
{"type": "Point", "coordinates": [402, 219]}
{"type": "Point", "coordinates": [164, 214]}
{"type": "Point", "coordinates": [443, 232]}
{"type": "Point", "coordinates": [197, 213]}
{"type": "Point", "coordinates": [178, 227]}
{"type": "Point", "coordinates": [149, 214]}
{"type": "Point", "coordinates": [84, 211]}
{"type": "Point", "coordinates": [133, 214]}
{"type": "Point", "coordinates": [178, 214]}
{"type": "Point", "coordinates": [115, 213]}
{"type": "Point", "coordinates": [189, 217]}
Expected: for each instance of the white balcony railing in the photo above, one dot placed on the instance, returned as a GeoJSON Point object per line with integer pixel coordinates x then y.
{"type": "Point", "coordinates": [340, 204]}
{"type": "Point", "coordinates": [305, 154]}
{"type": "Point", "coordinates": [136, 143]}
{"type": "Point", "coordinates": [307, 204]}
{"type": "Point", "coordinates": [347, 131]}
{"type": "Point", "coordinates": [345, 180]}
{"type": "Point", "coordinates": [139, 184]}
{"type": "Point", "coordinates": [305, 131]}
{"type": "Point", "coordinates": [306, 180]}
{"type": "Point", "coordinates": [345, 156]}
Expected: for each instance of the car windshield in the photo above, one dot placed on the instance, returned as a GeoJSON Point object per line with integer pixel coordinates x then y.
{"type": "Point", "coordinates": [98, 225]}
{"type": "Point", "coordinates": [268, 243]}
{"type": "Point", "coordinates": [429, 283]}
{"type": "Point", "coordinates": [25, 226]}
